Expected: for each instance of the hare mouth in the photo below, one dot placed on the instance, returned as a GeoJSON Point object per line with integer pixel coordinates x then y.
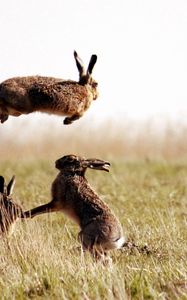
{"type": "Point", "coordinates": [98, 164]}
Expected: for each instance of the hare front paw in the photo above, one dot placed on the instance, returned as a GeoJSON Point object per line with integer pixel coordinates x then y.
{"type": "Point", "coordinates": [70, 120]}
{"type": "Point", "coordinates": [67, 121]}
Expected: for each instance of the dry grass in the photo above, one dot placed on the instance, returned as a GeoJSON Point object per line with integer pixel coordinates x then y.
{"type": "Point", "coordinates": [43, 259]}
{"type": "Point", "coordinates": [147, 189]}
{"type": "Point", "coordinates": [49, 138]}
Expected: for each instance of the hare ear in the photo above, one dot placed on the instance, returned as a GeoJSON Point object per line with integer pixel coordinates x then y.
{"type": "Point", "coordinates": [2, 182]}
{"type": "Point", "coordinates": [92, 62]}
{"type": "Point", "coordinates": [79, 64]}
{"type": "Point", "coordinates": [10, 186]}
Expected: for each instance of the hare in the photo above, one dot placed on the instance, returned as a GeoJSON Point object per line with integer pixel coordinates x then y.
{"type": "Point", "coordinates": [24, 95]}
{"type": "Point", "coordinates": [9, 210]}
{"type": "Point", "coordinates": [72, 194]}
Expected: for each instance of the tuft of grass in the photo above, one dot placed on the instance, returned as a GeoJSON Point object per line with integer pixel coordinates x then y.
{"type": "Point", "coordinates": [42, 259]}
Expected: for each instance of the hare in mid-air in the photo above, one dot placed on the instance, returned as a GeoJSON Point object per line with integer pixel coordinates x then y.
{"type": "Point", "coordinates": [24, 95]}
{"type": "Point", "coordinates": [72, 194]}
{"type": "Point", "coordinates": [9, 210]}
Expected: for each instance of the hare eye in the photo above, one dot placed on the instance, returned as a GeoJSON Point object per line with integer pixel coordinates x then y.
{"type": "Point", "coordinates": [71, 161]}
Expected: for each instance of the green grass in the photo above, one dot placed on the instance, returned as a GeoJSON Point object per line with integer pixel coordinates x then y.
{"type": "Point", "coordinates": [42, 259]}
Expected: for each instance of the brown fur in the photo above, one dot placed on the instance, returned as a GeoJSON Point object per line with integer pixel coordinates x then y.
{"type": "Point", "coordinates": [72, 194]}
{"type": "Point", "coordinates": [9, 210]}
{"type": "Point", "coordinates": [24, 95]}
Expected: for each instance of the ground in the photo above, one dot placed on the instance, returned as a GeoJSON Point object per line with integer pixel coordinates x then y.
{"type": "Point", "coordinates": [42, 259]}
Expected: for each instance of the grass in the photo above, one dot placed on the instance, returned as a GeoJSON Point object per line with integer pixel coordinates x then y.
{"type": "Point", "coordinates": [47, 137]}
{"type": "Point", "coordinates": [42, 259]}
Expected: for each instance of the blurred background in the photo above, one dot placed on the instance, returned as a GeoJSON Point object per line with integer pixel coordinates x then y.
{"type": "Point", "coordinates": [141, 71]}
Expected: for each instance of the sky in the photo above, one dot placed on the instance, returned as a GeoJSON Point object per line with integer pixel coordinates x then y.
{"type": "Point", "coordinates": [141, 47]}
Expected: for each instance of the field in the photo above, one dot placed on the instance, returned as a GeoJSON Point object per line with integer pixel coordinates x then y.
{"type": "Point", "coordinates": [146, 188]}
{"type": "Point", "coordinates": [42, 259]}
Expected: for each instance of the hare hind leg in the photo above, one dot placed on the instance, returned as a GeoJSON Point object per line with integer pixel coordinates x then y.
{"type": "Point", "coordinates": [3, 114]}
{"type": "Point", "coordinates": [89, 243]}
{"type": "Point", "coordinates": [3, 118]}
{"type": "Point", "coordinates": [97, 252]}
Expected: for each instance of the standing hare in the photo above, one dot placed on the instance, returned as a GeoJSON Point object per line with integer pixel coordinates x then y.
{"type": "Point", "coordinates": [9, 210]}
{"type": "Point", "coordinates": [24, 95]}
{"type": "Point", "coordinates": [72, 194]}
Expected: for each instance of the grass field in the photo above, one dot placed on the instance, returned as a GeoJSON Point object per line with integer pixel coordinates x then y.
{"type": "Point", "coordinates": [42, 259]}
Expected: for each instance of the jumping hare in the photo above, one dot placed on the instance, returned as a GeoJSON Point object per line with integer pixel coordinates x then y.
{"type": "Point", "coordinates": [9, 210]}
{"type": "Point", "coordinates": [72, 194]}
{"type": "Point", "coordinates": [24, 95]}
